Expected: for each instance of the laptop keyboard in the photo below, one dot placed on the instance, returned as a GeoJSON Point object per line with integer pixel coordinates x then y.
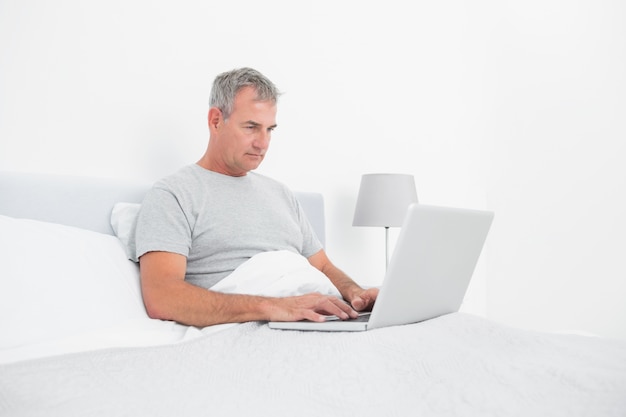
{"type": "Point", "coordinates": [363, 317]}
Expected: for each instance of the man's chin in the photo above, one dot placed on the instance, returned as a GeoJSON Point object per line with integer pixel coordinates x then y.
{"type": "Point", "coordinates": [249, 167]}
{"type": "Point", "coordinates": [254, 161]}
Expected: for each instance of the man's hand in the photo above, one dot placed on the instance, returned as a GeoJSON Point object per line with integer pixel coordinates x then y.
{"type": "Point", "coordinates": [312, 307]}
{"type": "Point", "coordinates": [360, 299]}
{"type": "Point", "coordinates": [364, 300]}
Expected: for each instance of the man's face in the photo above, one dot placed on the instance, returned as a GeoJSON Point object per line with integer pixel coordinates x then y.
{"type": "Point", "coordinates": [244, 138]}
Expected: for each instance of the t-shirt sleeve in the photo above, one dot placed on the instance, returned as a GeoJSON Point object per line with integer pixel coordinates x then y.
{"type": "Point", "coordinates": [162, 225]}
{"type": "Point", "coordinates": [310, 242]}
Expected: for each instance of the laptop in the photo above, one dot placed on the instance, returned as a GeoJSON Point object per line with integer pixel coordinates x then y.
{"type": "Point", "coordinates": [428, 274]}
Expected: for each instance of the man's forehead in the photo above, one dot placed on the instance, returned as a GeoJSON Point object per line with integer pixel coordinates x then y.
{"type": "Point", "coordinates": [248, 107]}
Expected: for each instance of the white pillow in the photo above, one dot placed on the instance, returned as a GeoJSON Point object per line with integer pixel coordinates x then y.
{"type": "Point", "coordinates": [58, 281]}
{"type": "Point", "coordinates": [123, 218]}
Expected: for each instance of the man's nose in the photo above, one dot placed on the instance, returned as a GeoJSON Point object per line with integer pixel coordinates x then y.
{"type": "Point", "coordinates": [262, 140]}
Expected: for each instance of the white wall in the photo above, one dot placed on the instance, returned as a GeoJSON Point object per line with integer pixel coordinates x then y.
{"type": "Point", "coordinates": [512, 106]}
{"type": "Point", "coordinates": [557, 175]}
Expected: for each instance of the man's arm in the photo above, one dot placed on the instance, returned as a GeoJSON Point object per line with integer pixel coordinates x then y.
{"type": "Point", "coordinates": [167, 296]}
{"type": "Point", "coordinates": [360, 299]}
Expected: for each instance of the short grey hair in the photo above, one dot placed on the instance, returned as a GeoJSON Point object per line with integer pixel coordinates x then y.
{"type": "Point", "coordinates": [227, 85]}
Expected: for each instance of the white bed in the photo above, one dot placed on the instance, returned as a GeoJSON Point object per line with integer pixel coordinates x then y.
{"type": "Point", "coordinates": [76, 341]}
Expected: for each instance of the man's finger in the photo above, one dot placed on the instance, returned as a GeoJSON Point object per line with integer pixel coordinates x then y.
{"type": "Point", "coordinates": [341, 309]}
{"type": "Point", "coordinates": [358, 303]}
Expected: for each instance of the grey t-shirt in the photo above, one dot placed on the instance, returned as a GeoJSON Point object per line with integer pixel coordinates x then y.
{"type": "Point", "coordinates": [218, 221]}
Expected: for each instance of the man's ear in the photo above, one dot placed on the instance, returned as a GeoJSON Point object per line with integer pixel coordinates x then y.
{"type": "Point", "coordinates": [214, 118]}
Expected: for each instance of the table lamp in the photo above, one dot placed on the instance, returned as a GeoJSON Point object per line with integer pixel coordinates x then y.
{"type": "Point", "coordinates": [383, 201]}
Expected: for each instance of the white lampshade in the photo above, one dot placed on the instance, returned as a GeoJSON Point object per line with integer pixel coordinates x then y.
{"type": "Point", "coordinates": [383, 199]}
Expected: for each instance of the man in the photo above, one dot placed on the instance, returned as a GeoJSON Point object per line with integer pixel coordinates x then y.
{"type": "Point", "coordinates": [198, 225]}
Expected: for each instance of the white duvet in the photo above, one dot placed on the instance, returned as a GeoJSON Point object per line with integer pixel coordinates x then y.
{"type": "Point", "coordinates": [455, 365]}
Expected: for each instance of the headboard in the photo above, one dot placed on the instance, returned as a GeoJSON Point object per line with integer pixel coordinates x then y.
{"type": "Point", "coordinates": [86, 202]}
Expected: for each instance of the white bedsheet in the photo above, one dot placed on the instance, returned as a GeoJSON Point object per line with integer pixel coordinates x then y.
{"type": "Point", "coordinates": [455, 365]}
{"type": "Point", "coordinates": [278, 273]}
